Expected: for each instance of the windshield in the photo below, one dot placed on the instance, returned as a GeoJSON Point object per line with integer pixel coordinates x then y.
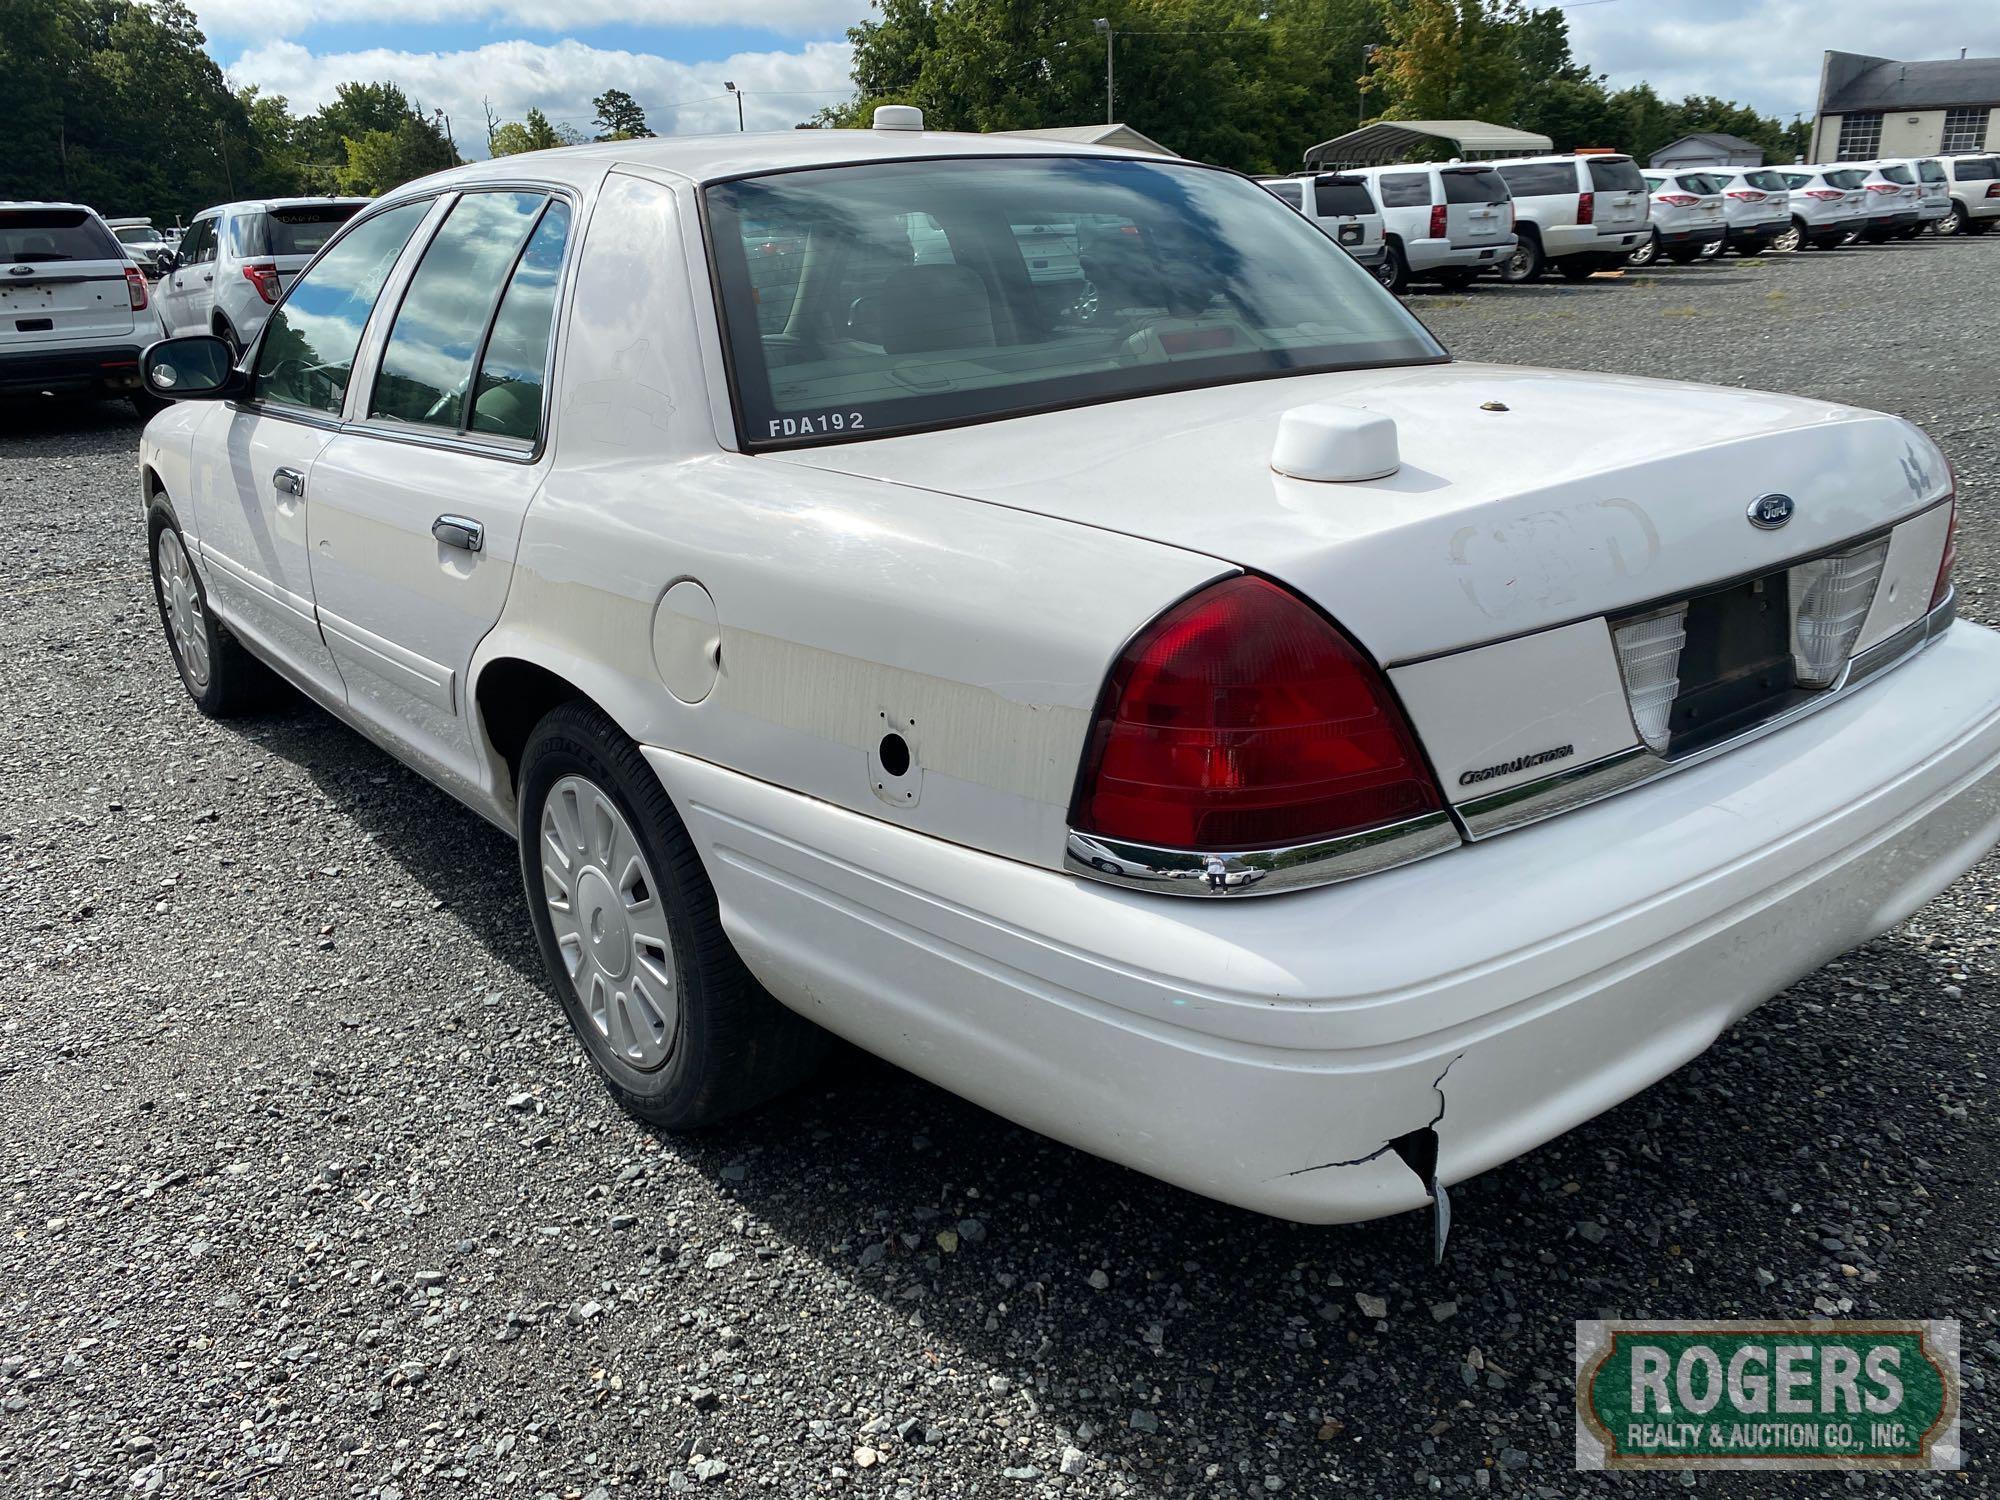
{"type": "Point", "coordinates": [143, 235]}
{"type": "Point", "coordinates": [868, 299]}
{"type": "Point", "coordinates": [1616, 175]}
{"type": "Point", "coordinates": [35, 236]}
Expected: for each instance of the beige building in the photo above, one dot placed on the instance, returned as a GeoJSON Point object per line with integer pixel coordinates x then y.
{"type": "Point", "coordinates": [1873, 107]}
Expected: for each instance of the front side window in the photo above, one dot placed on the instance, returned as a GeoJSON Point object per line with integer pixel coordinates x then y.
{"type": "Point", "coordinates": [915, 306]}
{"type": "Point", "coordinates": [200, 247]}
{"type": "Point", "coordinates": [1615, 175]}
{"type": "Point", "coordinates": [1964, 129]}
{"type": "Point", "coordinates": [1406, 189]}
{"type": "Point", "coordinates": [427, 363]}
{"type": "Point", "coordinates": [307, 352]}
{"type": "Point", "coordinates": [1860, 137]}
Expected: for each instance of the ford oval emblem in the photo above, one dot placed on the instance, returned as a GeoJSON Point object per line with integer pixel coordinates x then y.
{"type": "Point", "coordinates": [1769, 512]}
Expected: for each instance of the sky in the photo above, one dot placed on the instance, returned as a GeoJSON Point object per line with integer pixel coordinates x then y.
{"type": "Point", "coordinates": [789, 57]}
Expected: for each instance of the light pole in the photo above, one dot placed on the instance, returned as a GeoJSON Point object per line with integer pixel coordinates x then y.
{"type": "Point", "coordinates": [1104, 26]}
{"type": "Point", "coordinates": [739, 104]}
{"type": "Point", "coordinates": [1368, 51]}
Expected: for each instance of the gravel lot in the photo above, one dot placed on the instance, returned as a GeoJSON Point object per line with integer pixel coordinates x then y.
{"type": "Point", "coordinates": [308, 1193]}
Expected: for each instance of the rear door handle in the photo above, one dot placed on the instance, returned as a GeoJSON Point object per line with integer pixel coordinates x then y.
{"type": "Point", "coordinates": [459, 531]}
{"type": "Point", "coordinates": [288, 482]}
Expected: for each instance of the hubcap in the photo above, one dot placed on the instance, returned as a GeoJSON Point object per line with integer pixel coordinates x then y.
{"type": "Point", "coordinates": [185, 620]}
{"type": "Point", "coordinates": [610, 922]}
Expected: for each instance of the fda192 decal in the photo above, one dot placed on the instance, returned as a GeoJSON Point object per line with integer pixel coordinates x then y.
{"type": "Point", "coordinates": [809, 426]}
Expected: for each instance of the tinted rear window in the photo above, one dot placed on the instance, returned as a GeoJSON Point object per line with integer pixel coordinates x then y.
{"type": "Point", "coordinates": [35, 236]}
{"type": "Point", "coordinates": [1540, 179]}
{"type": "Point", "coordinates": [1898, 174]}
{"type": "Point", "coordinates": [1846, 178]}
{"type": "Point", "coordinates": [289, 231]}
{"type": "Point", "coordinates": [1768, 182]}
{"type": "Point", "coordinates": [1341, 196]}
{"type": "Point", "coordinates": [1979, 169]}
{"type": "Point", "coordinates": [1698, 182]}
{"type": "Point", "coordinates": [1405, 189]}
{"type": "Point", "coordinates": [1481, 186]}
{"type": "Point", "coordinates": [1616, 176]}
{"type": "Point", "coordinates": [1930, 171]}
{"type": "Point", "coordinates": [1291, 192]}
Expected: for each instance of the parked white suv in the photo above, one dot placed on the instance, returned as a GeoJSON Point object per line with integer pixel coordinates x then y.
{"type": "Point", "coordinates": [1933, 188]}
{"type": "Point", "coordinates": [142, 242]}
{"type": "Point", "coordinates": [1579, 214]}
{"type": "Point", "coordinates": [75, 310]}
{"type": "Point", "coordinates": [1894, 201]}
{"type": "Point", "coordinates": [1756, 207]}
{"type": "Point", "coordinates": [1687, 216]}
{"type": "Point", "coordinates": [1974, 181]}
{"type": "Point", "coordinates": [1444, 222]}
{"type": "Point", "coordinates": [236, 260]}
{"type": "Point", "coordinates": [1341, 205]}
{"type": "Point", "coordinates": [1828, 204]}
{"type": "Point", "coordinates": [1178, 726]}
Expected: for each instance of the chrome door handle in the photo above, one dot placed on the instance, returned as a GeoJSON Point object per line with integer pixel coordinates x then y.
{"type": "Point", "coordinates": [288, 482]}
{"type": "Point", "coordinates": [459, 531]}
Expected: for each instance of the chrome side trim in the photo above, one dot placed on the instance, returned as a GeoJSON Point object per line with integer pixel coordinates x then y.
{"type": "Point", "coordinates": [1185, 872]}
{"type": "Point", "coordinates": [1532, 801]}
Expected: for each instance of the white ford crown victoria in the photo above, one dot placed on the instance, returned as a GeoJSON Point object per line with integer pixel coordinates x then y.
{"type": "Point", "coordinates": [1176, 706]}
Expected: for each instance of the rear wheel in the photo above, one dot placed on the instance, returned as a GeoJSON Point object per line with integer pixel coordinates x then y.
{"type": "Point", "coordinates": [630, 932]}
{"type": "Point", "coordinates": [1525, 264]}
{"type": "Point", "coordinates": [1791, 237]}
{"type": "Point", "coordinates": [1953, 222]}
{"type": "Point", "coordinates": [1646, 251]}
{"type": "Point", "coordinates": [1393, 271]}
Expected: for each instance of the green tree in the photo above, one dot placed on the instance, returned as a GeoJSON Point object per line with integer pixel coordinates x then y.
{"type": "Point", "coordinates": [619, 117]}
{"type": "Point", "coordinates": [379, 160]}
{"type": "Point", "coordinates": [532, 134]}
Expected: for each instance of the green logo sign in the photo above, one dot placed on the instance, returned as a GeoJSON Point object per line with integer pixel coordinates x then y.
{"type": "Point", "coordinates": [1749, 1395]}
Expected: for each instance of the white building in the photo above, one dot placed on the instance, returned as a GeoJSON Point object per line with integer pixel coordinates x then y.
{"type": "Point", "coordinates": [1872, 107]}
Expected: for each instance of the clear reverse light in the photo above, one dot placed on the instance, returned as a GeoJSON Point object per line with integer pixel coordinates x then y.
{"type": "Point", "coordinates": [1649, 659]}
{"type": "Point", "coordinates": [1833, 596]}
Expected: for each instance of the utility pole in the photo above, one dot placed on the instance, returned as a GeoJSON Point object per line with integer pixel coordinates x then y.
{"type": "Point", "coordinates": [1110, 93]}
{"type": "Point", "coordinates": [1368, 51]}
{"type": "Point", "coordinates": [222, 143]}
{"type": "Point", "coordinates": [739, 104]}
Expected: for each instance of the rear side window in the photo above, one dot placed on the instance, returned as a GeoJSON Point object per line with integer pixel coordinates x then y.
{"type": "Point", "coordinates": [307, 352]}
{"type": "Point", "coordinates": [1405, 189]}
{"type": "Point", "coordinates": [289, 231]}
{"type": "Point", "coordinates": [507, 397]}
{"type": "Point", "coordinates": [1342, 197]}
{"type": "Point", "coordinates": [1540, 179]}
{"type": "Point", "coordinates": [1481, 186]}
{"type": "Point", "coordinates": [1291, 192]}
{"type": "Point", "coordinates": [38, 236]}
{"type": "Point", "coordinates": [1615, 176]}
{"type": "Point", "coordinates": [427, 363]}
{"type": "Point", "coordinates": [1978, 169]}
{"type": "Point", "coordinates": [1768, 182]}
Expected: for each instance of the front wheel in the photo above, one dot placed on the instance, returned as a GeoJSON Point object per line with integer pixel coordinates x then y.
{"type": "Point", "coordinates": [220, 676]}
{"type": "Point", "coordinates": [629, 930]}
{"type": "Point", "coordinates": [1645, 252]}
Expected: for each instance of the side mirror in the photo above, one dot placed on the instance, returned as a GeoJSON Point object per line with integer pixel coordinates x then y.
{"type": "Point", "coordinates": [197, 367]}
{"type": "Point", "coordinates": [167, 262]}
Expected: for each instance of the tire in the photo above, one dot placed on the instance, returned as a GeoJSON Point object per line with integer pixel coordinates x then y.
{"type": "Point", "coordinates": [675, 1025]}
{"type": "Point", "coordinates": [1577, 267]}
{"type": "Point", "coordinates": [1646, 251]}
{"type": "Point", "coordinates": [1792, 237]}
{"type": "Point", "coordinates": [1526, 264]}
{"type": "Point", "coordinates": [1394, 270]}
{"type": "Point", "coordinates": [1953, 222]}
{"type": "Point", "coordinates": [228, 336]}
{"type": "Point", "coordinates": [222, 678]}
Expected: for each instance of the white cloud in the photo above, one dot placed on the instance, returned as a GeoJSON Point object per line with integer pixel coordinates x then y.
{"type": "Point", "coordinates": [561, 78]}
{"type": "Point", "coordinates": [281, 18]}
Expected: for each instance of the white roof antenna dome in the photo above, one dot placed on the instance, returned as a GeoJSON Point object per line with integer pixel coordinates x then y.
{"type": "Point", "coordinates": [898, 117]}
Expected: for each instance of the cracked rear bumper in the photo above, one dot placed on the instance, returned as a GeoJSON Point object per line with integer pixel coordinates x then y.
{"type": "Point", "coordinates": [1556, 970]}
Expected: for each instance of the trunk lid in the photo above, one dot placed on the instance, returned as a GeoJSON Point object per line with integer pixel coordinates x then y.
{"type": "Point", "coordinates": [62, 277]}
{"type": "Point", "coordinates": [1565, 505]}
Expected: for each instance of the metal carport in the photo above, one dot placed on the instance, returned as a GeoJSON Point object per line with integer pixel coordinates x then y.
{"type": "Point", "coordinates": [1392, 140]}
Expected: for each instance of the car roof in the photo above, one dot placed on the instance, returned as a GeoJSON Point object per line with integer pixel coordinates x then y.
{"type": "Point", "coordinates": [264, 205]}
{"type": "Point", "coordinates": [1529, 161]}
{"type": "Point", "coordinates": [715, 158]}
{"type": "Point", "coordinates": [83, 208]}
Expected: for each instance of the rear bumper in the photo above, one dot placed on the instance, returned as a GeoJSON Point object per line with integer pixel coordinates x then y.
{"type": "Point", "coordinates": [70, 371]}
{"type": "Point", "coordinates": [1703, 235]}
{"type": "Point", "coordinates": [1758, 234]}
{"type": "Point", "coordinates": [1901, 219]}
{"type": "Point", "coordinates": [1443, 255]}
{"type": "Point", "coordinates": [1587, 239]}
{"type": "Point", "coordinates": [1263, 1052]}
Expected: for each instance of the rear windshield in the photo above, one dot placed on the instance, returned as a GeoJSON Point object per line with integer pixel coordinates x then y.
{"type": "Point", "coordinates": [1898, 174]}
{"type": "Point", "coordinates": [35, 236]}
{"type": "Point", "coordinates": [1290, 192]}
{"type": "Point", "coordinates": [1618, 176]}
{"type": "Point", "coordinates": [1978, 169]}
{"type": "Point", "coordinates": [1698, 182]}
{"type": "Point", "coordinates": [1340, 197]}
{"type": "Point", "coordinates": [1768, 182]}
{"type": "Point", "coordinates": [908, 301]}
{"type": "Point", "coordinates": [1540, 179]}
{"type": "Point", "coordinates": [1846, 177]}
{"type": "Point", "coordinates": [1930, 171]}
{"type": "Point", "coordinates": [1479, 185]}
{"type": "Point", "coordinates": [289, 231]}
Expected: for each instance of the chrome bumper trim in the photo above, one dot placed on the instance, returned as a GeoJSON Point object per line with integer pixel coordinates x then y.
{"type": "Point", "coordinates": [1185, 872]}
{"type": "Point", "coordinates": [1530, 802]}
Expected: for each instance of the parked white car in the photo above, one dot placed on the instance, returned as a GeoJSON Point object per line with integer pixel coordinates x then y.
{"type": "Point", "coordinates": [236, 260]}
{"type": "Point", "coordinates": [1974, 181]}
{"type": "Point", "coordinates": [1828, 205]}
{"type": "Point", "coordinates": [1578, 214]}
{"type": "Point", "coordinates": [1444, 222]}
{"type": "Point", "coordinates": [1211, 727]}
{"type": "Point", "coordinates": [75, 309]}
{"type": "Point", "coordinates": [1894, 201]}
{"type": "Point", "coordinates": [1687, 216]}
{"type": "Point", "coordinates": [1933, 188]}
{"type": "Point", "coordinates": [1341, 205]}
{"type": "Point", "coordinates": [1756, 207]}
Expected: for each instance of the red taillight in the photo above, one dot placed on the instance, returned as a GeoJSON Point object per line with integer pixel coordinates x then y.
{"type": "Point", "coordinates": [1950, 558]}
{"type": "Point", "coordinates": [1742, 196]}
{"type": "Point", "coordinates": [1437, 221]}
{"type": "Point", "coordinates": [1882, 187]}
{"type": "Point", "coordinates": [1679, 200]}
{"type": "Point", "coordinates": [1829, 195]}
{"type": "Point", "coordinates": [1243, 719]}
{"type": "Point", "coordinates": [1993, 190]}
{"type": "Point", "coordinates": [1586, 208]}
{"type": "Point", "coordinates": [135, 288]}
{"type": "Point", "coordinates": [265, 279]}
